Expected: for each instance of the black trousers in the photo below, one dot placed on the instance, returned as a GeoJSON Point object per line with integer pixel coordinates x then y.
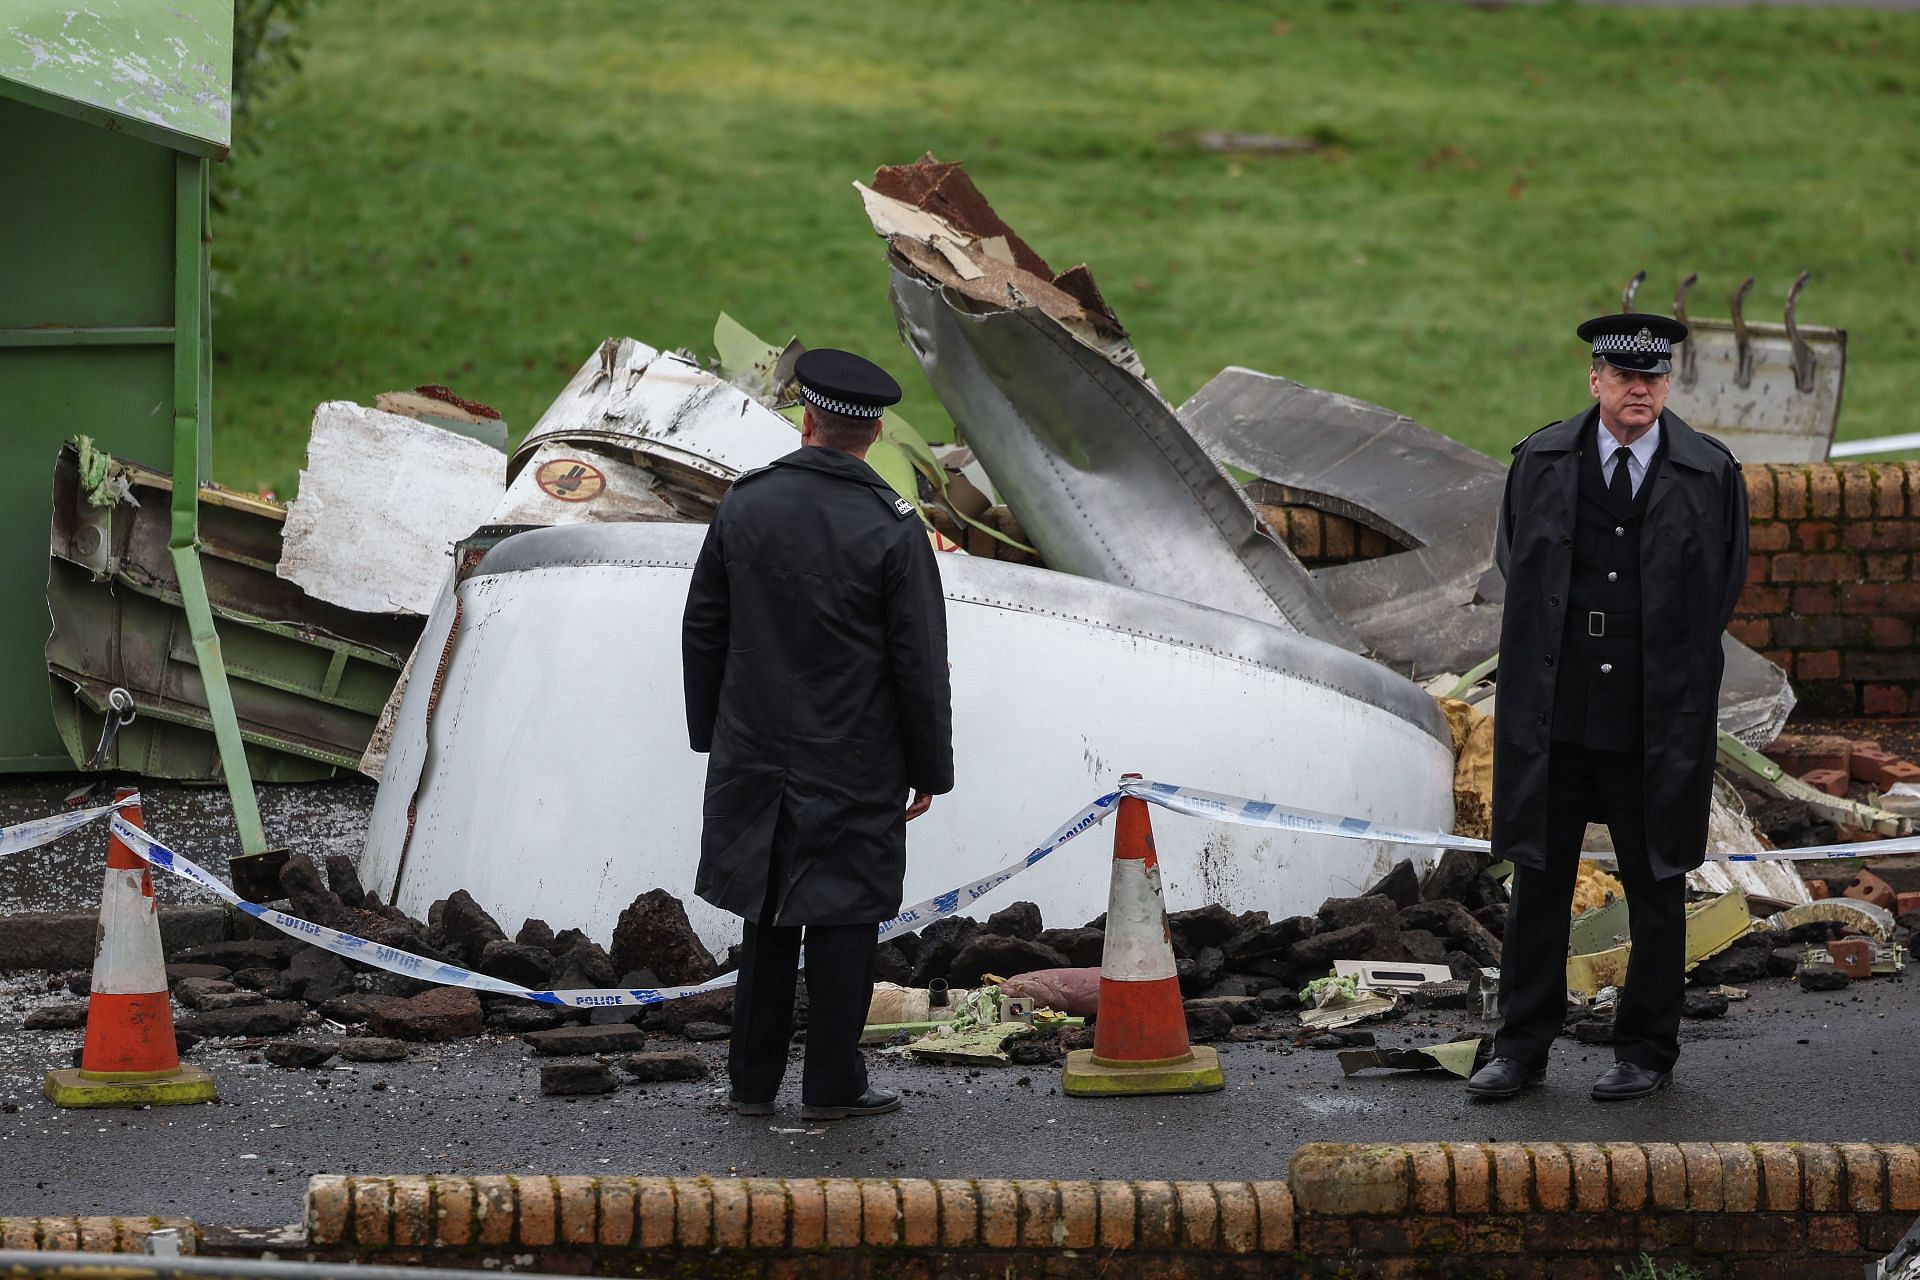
{"type": "Point", "coordinates": [839, 992]}
{"type": "Point", "coordinates": [1594, 786]}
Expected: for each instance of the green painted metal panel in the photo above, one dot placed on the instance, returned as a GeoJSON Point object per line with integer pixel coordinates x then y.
{"type": "Point", "coordinates": [86, 228]}
{"type": "Point", "coordinates": [161, 70]}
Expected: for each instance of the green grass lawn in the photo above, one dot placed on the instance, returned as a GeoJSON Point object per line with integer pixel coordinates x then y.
{"type": "Point", "coordinates": [477, 193]}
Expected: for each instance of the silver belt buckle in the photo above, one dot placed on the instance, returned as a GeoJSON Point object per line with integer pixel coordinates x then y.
{"type": "Point", "coordinates": [1596, 624]}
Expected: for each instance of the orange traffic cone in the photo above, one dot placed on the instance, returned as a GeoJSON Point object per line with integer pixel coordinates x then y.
{"type": "Point", "coordinates": [1140, 1040]}
{"type": "Point", "coordinates": [130, 1058]}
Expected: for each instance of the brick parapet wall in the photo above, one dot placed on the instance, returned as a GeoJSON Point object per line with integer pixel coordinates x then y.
{"type": "Point", "coordinates": [92, 1234]}
{"type": "Point", "coordinates": [1832, 592]}
{"type": "Point", "coordinates": [1522, 1211]}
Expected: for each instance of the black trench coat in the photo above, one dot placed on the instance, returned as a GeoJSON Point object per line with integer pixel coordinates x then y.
{"type": "Point", "coordinates": [1693, 566]}
{"type": "Point", "coordinates": [815, 655]}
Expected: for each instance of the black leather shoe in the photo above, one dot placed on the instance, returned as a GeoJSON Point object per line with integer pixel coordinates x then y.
{"type": "Point", "coordinates": [1625, 1081]}
{"type": "Point", "coordinates": [1504, 1078]}
{"type": "Point", "coordinates": [873, 1102]}
{"type": "Point", "coordinates": [741, 1107]}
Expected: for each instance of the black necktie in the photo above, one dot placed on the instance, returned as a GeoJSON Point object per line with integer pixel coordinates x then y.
{"type": "Point", "coordinates": [1621, 490]}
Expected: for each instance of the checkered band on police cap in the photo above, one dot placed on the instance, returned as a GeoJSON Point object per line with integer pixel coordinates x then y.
{"type": "Point", "coordinates": [845, 408]}
{"type": "Point", "coordinates": [1643, 343]}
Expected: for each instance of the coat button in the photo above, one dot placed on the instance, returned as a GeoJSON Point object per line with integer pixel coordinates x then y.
{"type": "Point", "coordinates": [1566, 542]}
{"type": "Point", "coordinates": [1606, 668]}
{"type": "Point", "coordinates": [1619, 531]}
{"type": "Point", "coordinates": [1613, 577]}
{"type": "Point", "coordinates": [1554, 601]}
{"type": "Point", "coordinates": [1549, 659]}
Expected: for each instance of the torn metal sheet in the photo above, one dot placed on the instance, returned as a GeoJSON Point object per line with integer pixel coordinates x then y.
{"type": "Point", "coordinates": [1859, 917]}
{"type": "Point", "coordinates": [1421, 608]}
{"type": "Point", "coordinates": [1755, 695]}
{"type": "Point", "coordinates": [307, 677]}
{"type": "Point", "coordinates": [1769, 392]}
{"type": "Point", "coordinates": [979, 1046]}
{"type": "Point", "coordinates": [382, 501]}
{"type": "Point", "coordinates": [1092, 680]}
{"type": "Point", "coordinates": [1767, 777]}
{"type": "Point", "coordinates": [1456, 1056]}
{"type": "Point", "coordinates": [694, 429]}
{"type": "Point", "coordinates": [1045, 388]}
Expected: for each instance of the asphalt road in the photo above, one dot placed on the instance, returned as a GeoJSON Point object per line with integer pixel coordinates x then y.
{"type": "Point", "coordinates": [1782, 1065]}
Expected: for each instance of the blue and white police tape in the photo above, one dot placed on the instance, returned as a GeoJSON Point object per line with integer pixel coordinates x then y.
{"type": "Point", "coordinates": [35, 832]}
{"type": "Point", "coordinates": [1258, 813]}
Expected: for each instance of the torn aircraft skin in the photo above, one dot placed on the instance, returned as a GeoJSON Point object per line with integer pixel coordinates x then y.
{"type": "Point", "coordinates": [1420, 609]}
{"type": "Point", "coordinates": [1044, 387]}
{"type": "Point", "coordinates": [505, 781]}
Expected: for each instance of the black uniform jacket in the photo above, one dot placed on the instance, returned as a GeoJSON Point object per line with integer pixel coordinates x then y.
{"type": "Point", "coordinates": [815, 655]}
{"type": "Point", "coordinates": [1693, 566]}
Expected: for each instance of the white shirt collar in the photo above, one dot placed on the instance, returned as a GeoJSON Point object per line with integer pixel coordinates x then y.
{"type": "Point", "coordinates": [1641, 450]}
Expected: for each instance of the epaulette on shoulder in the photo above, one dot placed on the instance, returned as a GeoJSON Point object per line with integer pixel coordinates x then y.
{"type": "Point", "coordinates": [1721, 445]}
{"type": "Point", "coordinates": [1531, 434]}
{"type": "Point", "coordinates": [900, 507]}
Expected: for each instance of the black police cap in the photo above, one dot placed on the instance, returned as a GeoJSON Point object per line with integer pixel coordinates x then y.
{"type": "Point", "coordinates": [1638, 341]}
{"type": "Point", "coordinates": [843, 383]}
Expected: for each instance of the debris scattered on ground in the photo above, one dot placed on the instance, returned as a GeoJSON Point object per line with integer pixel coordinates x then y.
{"type": "Point", "coordinates": [567, 1077]}
{"type": "Point", "coordinates": [1456, 1056]}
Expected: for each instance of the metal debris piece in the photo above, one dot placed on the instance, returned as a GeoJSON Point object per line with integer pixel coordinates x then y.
{"type": "Point", "coordinates": [1883, 959]}
{"type": "Point", "coordinates": [1712, 927]}
{"type": "Point", "coordinates": [692, 428]}
{"type": "Point", "coordinates": [1769, 392]}
{"type": "Point", "coordinates": [977, 1046]}
{"type": "Point", "coordinates": [1422, 608]}
{"type": "Point", "coordinates": [1850, 913]}
{"type": "Point", "coordinates": [563, 484]}
{"type": "Point", "coordinates": [1045, 387]}
{"type": "Point", "coordinates": [1457, 1056]}
{"type": "Point", "coordinates": [1390, 975]}
{"type": "Point", "coordinates": [383, 499]}
{"type": "Point", "coordinates": [1755, 696]}
{"type": "Point", "coordinates": [307, 677]}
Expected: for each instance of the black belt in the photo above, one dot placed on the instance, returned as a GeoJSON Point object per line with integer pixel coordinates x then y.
{"type": "Point", "coordinates": [1613, 624]}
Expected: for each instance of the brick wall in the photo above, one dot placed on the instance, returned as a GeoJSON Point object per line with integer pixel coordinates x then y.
{"type": "Point", "coordinates": [1521, 1211]}
{"type": "Point", "coordinates": [1832, 593]}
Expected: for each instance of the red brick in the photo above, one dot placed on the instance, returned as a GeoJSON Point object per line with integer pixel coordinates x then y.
{"type": "Point", "coordinates": [1755, 633]}
{"type": "Point", "coordinates": [1768, 536]}
{"type": "Point", "coordinates": [1832, 1233]}
{"type": "Point", "coordinates": [1666, 1176]}
{"type": "Point", "coordinates": [1866, 1177]}
{"type": "Point", "coordinates": [494, 1202]}
{"type": "Point", "coordinates": [1705, 1187]}
{"type": "Point", "coordinates": [539, 1215]}
{"type": "Point", "coordinates": [1889, 496]}
{"type": "Point", "coordinates": [1117, 1215]}
{"type": "Point", "coordinates": [1910, 472]}
{"type": "Point", "coordinates": [1816, 535]}
{"type": "Point", "coordinates": [920, 1213]}
{"type": "Point", "coordinates": [579, 1200]}
{"type": "Point", "coordinates": [1790, 493]}
{"type": "Point", "coordinates": [1239, 1219]}
{"type": "Point", "coordinates": [1760, 601]}
{"type": "Point", "coordinates": [729, 1213]}
{"type": "Point", "coordinates": [1902, 598]}
{"type": "Point", "coordinates": [329, 1204]}
{"type": "Point", "coordinates": [1589, 1165]}
{"type": "Point", "coordinates": [1883, 700]}
{"type": "Point", "coordinates": [1817, 889]}
{"type": "Point", "coordinates": [1886, 566]}
{"type": "Point", "coordinates": [616, 1211]}
{"type": "Point", "coordinates": [1868, 887]}
{"type": "Point", "coordinates": [1337, 539]}
{"type": "Point", "coordinates": [1816, 599]}
{"type": "Point", "coordinates": [1890, 633]}
{"type": "Point", "coordinates": [960, 1214]}
{"type": "Point", "coordinates": [1739, 1177]}
{"type": "Point", "coordinates": [371, 1216]}
{"type": "Point", "coordinates": [1552, 1178]}
{"type": "Point", "coordinates": [767, 1215]}
{"type": "Point", "coordinates": [1512, 1177]}
{"type": "Point", "coordinates": [412, 1211]}
{"type": "Point", "coordinates": [692, 1213]}
{"type": "Point", "coordinates": [1831, 781]}
{"type": "Point", "coordinates": [1856, 492]}
{"type": "Point", "coordinates": [1903, 1177]}
{"type": "Point", "coordinates": [843, 1210]}
{"type": "Point", "coordinates": [1823, 491]}
{"type": "Point", "coordinates": [1199, 1216]}
{"type": "Point", "coordinates": [1432, 1177]}
{"type": "Point", "coordinates": [1823, 1175]}
{"type": "Point", "coordinates": [1905, 902]}
{"type": "Point", "coordinates": [1868, 764]}
{"type": "Point", "coordinates": [1553, 1233]}
{"type": "Point", "coordinates": [1817, 664]}
{"type": "Point", "coordinates": [1769, 1233]}
{"type": "Point", "coordinates": [1158, 1215]}
{"type": "Point", "coordinates": [1276, 1216]}
{"type": "Point", "coordinates": [1662, 1233]}
{"type": "Point", "coordinates": [1759, 493]}
{"type": "Point", "coordinates": [879, 1213]}
{"type": "Point", "coordinates": [1303, 532]}
{"type": "Point", "coordinates": [1627, 1167]}
{"type": "Point", "coordinates": [1472, 1178]}
{"type": "Point", "coordinates": [1759, 569]}
{"type": "Point", "coordinates": [1897, 772]}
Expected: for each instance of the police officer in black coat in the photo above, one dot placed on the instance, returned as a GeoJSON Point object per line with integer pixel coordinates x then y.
{"type": "Point", "coordinates": [1623, 537]}
{"type": "Point", "coordinates": [815, 656]}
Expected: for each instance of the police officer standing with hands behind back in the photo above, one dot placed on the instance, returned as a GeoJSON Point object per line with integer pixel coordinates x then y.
{"type": "Point", "coordinates": [1623, 537]}
{"type": "Point", "coordinates": [815, 655]}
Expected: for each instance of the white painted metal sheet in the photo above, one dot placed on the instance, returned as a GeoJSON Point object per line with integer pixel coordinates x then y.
{"type": "Point", "coordinates": [555, 779]}
{"type": "Point", "coordinates": [382, 501]}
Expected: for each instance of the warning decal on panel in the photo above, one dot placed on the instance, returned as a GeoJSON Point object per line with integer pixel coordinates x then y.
{"type": "Point", "coordinates": [570, 480]}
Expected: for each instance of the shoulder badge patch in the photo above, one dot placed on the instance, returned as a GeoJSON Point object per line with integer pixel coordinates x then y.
{"type": "Point", "coordinates": [902, 508]}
